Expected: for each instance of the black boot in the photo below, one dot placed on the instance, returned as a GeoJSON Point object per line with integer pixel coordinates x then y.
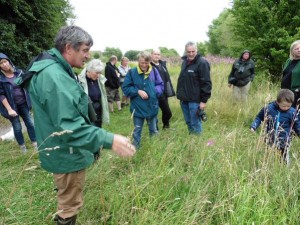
{"type": "Point", "coordinates": [67, 221]}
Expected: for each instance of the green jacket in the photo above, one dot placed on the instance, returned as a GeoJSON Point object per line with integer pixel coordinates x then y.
{"type": "Point", "coordinates": [295, 79]}
{"type": "Point", "coordinates": [60, 104]}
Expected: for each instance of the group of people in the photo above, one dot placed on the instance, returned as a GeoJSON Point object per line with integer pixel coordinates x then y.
{"type": "Point", "coordinates": [104, 91]}
{"type": "Point", "coordinates": [67, 133]}
{"type": "Point", "coordinates": [148, 86]}
{"type": "Point", "coordinates": [63, 104]}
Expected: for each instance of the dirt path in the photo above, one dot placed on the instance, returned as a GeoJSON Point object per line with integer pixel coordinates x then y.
{"type": "Point", "coordinates": [4, 126]}
{"type": "Point", "coordinates": [4, 129]}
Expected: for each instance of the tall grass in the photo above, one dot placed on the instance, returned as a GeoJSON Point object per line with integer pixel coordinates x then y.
{"type": "Point", "coordinates": [225, 176]}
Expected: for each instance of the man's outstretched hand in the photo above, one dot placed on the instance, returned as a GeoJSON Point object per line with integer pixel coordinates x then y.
{"type": "Point", "coordinates": [122, 146]}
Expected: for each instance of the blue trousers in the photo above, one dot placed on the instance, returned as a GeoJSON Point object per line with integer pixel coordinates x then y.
{"type": "Point", "coordinates": [138, 127]}
{"type": "Point", "coordinates": [23, 112]}
{"type": "Point", "coordinates": [193, 121]}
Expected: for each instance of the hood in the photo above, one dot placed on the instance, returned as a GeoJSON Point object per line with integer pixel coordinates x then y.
{"type": "Point", "coordinates": [245, 52]}
{"type": "Point", "coordinates": [3, 56]}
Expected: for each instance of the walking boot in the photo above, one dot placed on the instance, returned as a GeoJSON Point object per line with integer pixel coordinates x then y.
{"type": "Point", "coordinates": [67, 221]}
{"type": "Point", "coordinates": [119, 105]}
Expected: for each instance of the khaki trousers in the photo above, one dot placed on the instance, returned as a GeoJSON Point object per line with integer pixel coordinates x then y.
{"type": "Point", "coordinates": [240, 94]}
{"type": "Point", "coordinates": [70, 192]}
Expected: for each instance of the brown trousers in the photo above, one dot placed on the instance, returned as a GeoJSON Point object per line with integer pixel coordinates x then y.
{"type": "Point", "coordinates": [70, 192]}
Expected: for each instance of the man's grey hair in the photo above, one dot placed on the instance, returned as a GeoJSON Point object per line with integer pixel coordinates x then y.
{"type": "Point", "coordinates": [95, 65]}
{"type": "Point", "coordinates": [190, 43]}
{"type": "Point", "coordinates": [155, 50]}
{"type": "Point", "coordinates": [144, 55]}
{"type": "Point", "coordinates": [73, 35]}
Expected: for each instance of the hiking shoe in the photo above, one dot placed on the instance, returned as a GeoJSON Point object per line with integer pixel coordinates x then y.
{"type": "Point", "coordinates": [67, 221]}
{"type": "Point", "coordinates": [23, 148]}
{"type": "Point", "coordinates": [166, 126]}
{"type": "Point", "coordinates": [96, 156]}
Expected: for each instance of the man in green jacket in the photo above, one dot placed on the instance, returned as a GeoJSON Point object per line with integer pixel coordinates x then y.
{"type": "Point", "coordinates": [65, 135]}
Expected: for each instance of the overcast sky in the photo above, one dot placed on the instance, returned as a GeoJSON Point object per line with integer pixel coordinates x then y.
{"type": "Point", "coordinates": [140, 24]}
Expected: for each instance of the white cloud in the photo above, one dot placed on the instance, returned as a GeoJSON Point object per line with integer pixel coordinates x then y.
{"type": "Point", "coordinates": [139, 24]}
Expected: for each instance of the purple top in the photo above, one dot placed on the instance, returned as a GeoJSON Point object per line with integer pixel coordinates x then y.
{"type": "Point", "coordinates": [18, 93]}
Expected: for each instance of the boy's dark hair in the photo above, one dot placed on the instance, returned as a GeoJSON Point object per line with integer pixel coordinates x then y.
{"type": "Point", "coordinates": [285, 95]}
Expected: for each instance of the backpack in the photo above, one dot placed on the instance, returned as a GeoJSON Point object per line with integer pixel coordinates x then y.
{"type": "Point", "coordinates": [27, 75]}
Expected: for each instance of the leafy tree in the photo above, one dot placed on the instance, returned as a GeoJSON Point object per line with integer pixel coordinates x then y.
{"type": "Point", "coordinates": [96, 55]}
{"type": "Point", "coordinates": [108, 52]}
{"type": "Point", "coordinates": [222, 40]}
{"type": "Point", "coordinates": [202, 48]}
{"type": "Point", "coordinates": [267, 28]}
{"type": "Point", "coordinates": [132, 55]}
{"type": "Point", "coordinates": [29, 27]}
{"type": "Point", "coordinates": [168, 52]}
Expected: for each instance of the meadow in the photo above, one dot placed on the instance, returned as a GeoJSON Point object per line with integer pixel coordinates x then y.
{"type": "Point", "coordinates": [225, 176]}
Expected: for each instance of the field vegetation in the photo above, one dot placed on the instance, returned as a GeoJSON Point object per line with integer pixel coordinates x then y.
{"type": "Point", "coordinates": [225, 176]}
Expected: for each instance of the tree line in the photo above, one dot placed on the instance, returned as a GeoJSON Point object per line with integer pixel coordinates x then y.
{"type": "Point", "coordinates": [29, 27]}
{"type": "Point", "coordinates": [265, 27]}
{"type": "Point", "coordinates": [132, 54]}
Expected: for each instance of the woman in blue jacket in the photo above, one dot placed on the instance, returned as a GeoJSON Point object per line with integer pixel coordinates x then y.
{"type": "Point", "coordinates": [143, 85]}
{"type": "Point", "coordinates": [15, 102]}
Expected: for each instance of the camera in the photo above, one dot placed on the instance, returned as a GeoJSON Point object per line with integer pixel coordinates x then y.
{"type": "Point", "coordinates": [201, 113]}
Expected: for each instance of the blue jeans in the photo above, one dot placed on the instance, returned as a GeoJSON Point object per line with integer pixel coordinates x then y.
{"type": "Point", "coordinates": [193, 121]}
{"type": "Point", "coordinates": [138, 127]}
{"type": "Point", "coordinates": [23, 111]}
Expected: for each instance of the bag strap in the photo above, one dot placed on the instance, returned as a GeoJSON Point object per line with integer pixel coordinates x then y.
{"type": "Point", "coordinates": [27, 75]}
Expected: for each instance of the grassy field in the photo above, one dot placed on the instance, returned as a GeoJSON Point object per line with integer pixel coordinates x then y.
{"type": "Point", "coordinates": [224, 176]}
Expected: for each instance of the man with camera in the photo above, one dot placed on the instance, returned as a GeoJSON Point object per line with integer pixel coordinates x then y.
{"type": "Point", "coordinates": [194, 88]}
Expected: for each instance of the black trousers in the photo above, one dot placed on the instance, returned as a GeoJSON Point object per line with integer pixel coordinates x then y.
{"type": "Point", "coordinates": [98, 122]}
{"type": "Point", "coordinates": [297, 99]}
{"type": "Point", "coordinates": [98, 109]}
{"type": "Point", "coordinates": [165, 109]}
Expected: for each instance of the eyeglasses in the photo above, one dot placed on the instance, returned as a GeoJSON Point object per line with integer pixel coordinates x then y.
{"type": "Point", "coordinates": [191, 51]}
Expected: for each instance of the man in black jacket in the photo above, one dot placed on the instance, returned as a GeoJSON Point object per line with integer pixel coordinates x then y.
{"type": "Point", "coordinates": [168, 87]}
{"type": "Point", "coordinates": [193, 87]}
{"type": "Point", "coordinates": [112, 84]}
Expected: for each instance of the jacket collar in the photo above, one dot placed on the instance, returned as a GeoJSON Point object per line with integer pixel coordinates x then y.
{"type": "Point", "coordinates": [145, 73]}
{"type": "Point", "coordinates": [54, 52]}
{"type": "Point", "coordinates": [193, 61]}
